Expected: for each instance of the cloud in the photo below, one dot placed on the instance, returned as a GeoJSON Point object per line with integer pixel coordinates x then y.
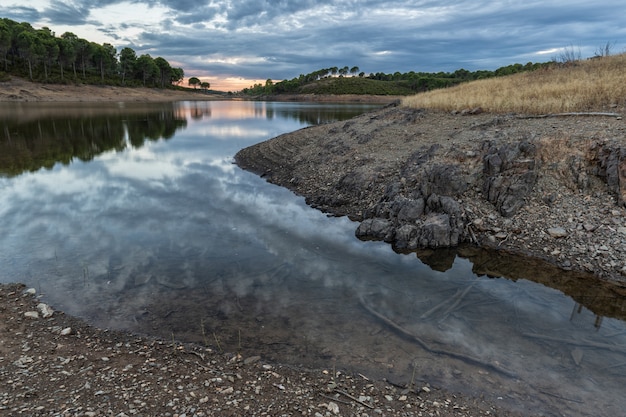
{"type": "Point", "coordinates": [260, 39]}
{"type": "Point", "coordinates": [67, 13]}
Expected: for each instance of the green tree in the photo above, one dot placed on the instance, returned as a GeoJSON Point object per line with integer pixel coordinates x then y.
{"type": "Point", "coordinates": [205, 86]}
{"type": "Point", "coordinates": [5, 42]}
{"type": "Point", "coordinates": [195, 81]}
{"type": "Point", "coordinates": [177, 76]}
{"type": "Point", "coordinates": [165, 71]}
{"type": "Point", "coordinates": [68, 50]}
{"type": "Point", "coordinates": [49, 49]}
{"type": "Point", "coordinates": [104, 57]}
{"type": "Point", "coordinates": [146, 69]}
{"type": "Point", "coordinates": [30, 49]}
{"type": "Point", "coordinates": [84, 52]}
{"type": "Point", "coordinates": [128, 61]}
{"type": "Point", "coordinates": [354, 71]}
{"type": "Point", "coordinates": [67, 54]}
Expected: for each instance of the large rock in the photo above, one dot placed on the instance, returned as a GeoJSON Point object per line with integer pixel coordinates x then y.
{"type": "Point", "coordinates": [612, 167]}
{"type": "Point", "coordinates": [509, 175]}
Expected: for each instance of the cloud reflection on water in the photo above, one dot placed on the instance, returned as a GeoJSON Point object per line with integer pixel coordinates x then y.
{"type": "Point", "coordinates": [174, 223]}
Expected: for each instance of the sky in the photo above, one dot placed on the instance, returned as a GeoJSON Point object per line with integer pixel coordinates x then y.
{"type": "Point", "coordinates": [235, 43]}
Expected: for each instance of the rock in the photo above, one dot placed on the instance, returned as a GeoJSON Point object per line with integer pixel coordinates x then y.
{"type": "Point", "coordinates": [378, 229]}
{"type": "Point", "coordinates": [333, 407]}
{"type": "Point", "coordinates": [509, 175]}
{"type": "Point", "coordinates": [436, 232]}
{"type": "Point", "coordinates": [31, 314]}
{"type": "Point", "coordinates": [251, 360]}
{"type": "Point", "coordinates": [45, 309]}
{"type": "Point", "coordinates": [67, 331]}
{"type": "Point", "coordinates": [406, 237]}
{"type": "Point", "coordinates": [557, 232]}
{"type": "Point", "coordinates": [589, 227]}
{"type": "Point", "coordinates": [621, 230]}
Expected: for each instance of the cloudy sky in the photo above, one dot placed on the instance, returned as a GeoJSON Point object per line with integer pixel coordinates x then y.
{"type": "Point", "coordinates": [234, 43]}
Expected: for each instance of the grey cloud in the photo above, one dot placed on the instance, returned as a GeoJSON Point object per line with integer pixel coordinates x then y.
{"type": "Point", "coordinates": [282, 39]}
{"type": "Point", "coordinates": [20, 13]}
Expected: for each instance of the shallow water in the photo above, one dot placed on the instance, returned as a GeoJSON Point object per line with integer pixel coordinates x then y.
{"type": "Point", "coordinates": [134, 217]}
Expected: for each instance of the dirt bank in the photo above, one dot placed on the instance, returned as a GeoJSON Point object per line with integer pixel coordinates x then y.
{"type": "Point", "coordinates": [551, 188]}
{"type": "Point", "coordinates": [17, 89]}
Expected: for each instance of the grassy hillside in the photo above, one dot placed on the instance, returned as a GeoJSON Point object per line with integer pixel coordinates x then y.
{"type": "Point", "coordinates": [590, 85]}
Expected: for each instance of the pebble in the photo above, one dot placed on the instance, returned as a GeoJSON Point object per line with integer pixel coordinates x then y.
{"type": "Point", "coordinates": [31, 314]}
{"type": "Point", "coordinates": [333, 407]}
{"type": "Point", "coordinates": [45, 309]}
{"type": "Point", "coordinates": [557, 232]}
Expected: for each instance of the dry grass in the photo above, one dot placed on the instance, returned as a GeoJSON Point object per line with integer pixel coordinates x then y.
{"type": "Point", "coordinates": [590, 85]}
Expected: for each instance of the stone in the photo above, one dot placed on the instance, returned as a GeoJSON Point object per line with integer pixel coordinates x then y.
{"type": "Point", "coordinates": [557, 232]}
{"type": "Point", "coordinates": [31, 314]}
{"type": "Point", "coordinates": [45, 309]}
{"type": "Point", "coordinates": [377, 228]}
{"type": "Point", "coordinates": [333, 407]}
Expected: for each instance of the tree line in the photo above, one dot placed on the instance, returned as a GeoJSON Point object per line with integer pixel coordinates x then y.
{"type": "Point", "coordinates": [42, 56]}
{"type": "Point", "coordinates": [414, 81]}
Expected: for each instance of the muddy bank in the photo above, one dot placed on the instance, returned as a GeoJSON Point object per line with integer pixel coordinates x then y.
{"type": "Point", "coordinates": [550, 188]}
{"type": "Point", "coordinates": [20, 90]}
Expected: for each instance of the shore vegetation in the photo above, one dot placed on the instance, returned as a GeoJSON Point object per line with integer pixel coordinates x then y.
{"type": "Point", "coordinates": [593, 84]}
{"type": "Point", "coordinates": [344, 81]}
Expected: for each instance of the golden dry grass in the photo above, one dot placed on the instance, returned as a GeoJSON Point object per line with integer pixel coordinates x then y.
{"type": "Point", "coordinates": [590, 85]}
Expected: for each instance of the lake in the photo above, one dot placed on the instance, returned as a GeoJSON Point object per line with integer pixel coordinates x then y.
{"type": "Point", "coordinates": [134, 217]}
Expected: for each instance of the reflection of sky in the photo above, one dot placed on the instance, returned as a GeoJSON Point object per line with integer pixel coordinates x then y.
{"type": "Point", "coordinates": [180, 212]}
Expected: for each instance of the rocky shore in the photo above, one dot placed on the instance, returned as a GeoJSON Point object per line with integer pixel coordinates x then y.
{"type": "Point", "coordinates": [52, 364]}
{"type": "Point", "coordinates": [550, 188]}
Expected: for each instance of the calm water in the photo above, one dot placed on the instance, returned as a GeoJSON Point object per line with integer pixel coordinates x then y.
{"type": "Point", "coordinates": [134, 217]}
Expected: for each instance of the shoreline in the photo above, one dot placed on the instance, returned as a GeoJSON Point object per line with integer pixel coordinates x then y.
{"type": "Point", "coordinates": [551, 189]}
{"type": "Point", "coordinates": [20, 90]}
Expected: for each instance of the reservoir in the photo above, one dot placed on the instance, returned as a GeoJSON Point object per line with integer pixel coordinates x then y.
{"type": "Point", "coordinates": [134, 217]}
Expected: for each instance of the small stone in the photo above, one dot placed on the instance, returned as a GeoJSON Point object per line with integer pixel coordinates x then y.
{"type": "Point", "coordinates": [67, 331]}
{"type": "Point", "coordinates": [402, 398]}
{"type": "Point", "coordinates": [30, 291]}
{"type": "Point", "coordinates": [621, 230]}
{"type": "Point", "coordinates": [46, 310]}
{"type": "Point", "coordinates": [333, 407]}
{"type": "Point", "coordinates": [557, 232]}
{"type": "Point", "coordinates": [425, 389]}
{"type": "Point", "coordinates": [31, 314]}
{"type": "Point", "coordinates": [501, 235]}
{"type": "Point", "coordinates": [589, 227]}
{"type": "Point", "coordinates": [251, 360]}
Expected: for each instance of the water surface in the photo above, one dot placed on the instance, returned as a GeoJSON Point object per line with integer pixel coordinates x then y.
{"type": "Point", "coordinates": [135, 217]}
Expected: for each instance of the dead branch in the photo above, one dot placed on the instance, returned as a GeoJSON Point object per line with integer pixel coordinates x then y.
{"type": "Point", "coordinates": [426, 347]}
{"type": "Point", "coordinates": [543, 116]}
